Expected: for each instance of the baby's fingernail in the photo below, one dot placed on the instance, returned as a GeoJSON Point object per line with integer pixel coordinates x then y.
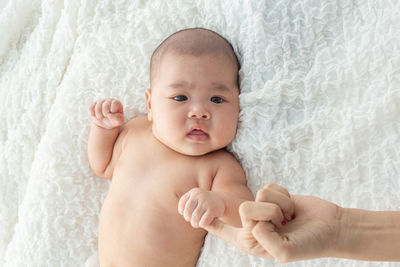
{"type": "Point", "coordinates": [283, 222]}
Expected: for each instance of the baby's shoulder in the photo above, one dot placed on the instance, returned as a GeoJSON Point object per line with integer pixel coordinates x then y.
{"type": "Point", "coordinates": [221, 155]}
{"type": "Point", "coordinates": [225, 166]}
{"type": "Point", "coordinates": [221, 159]}
{"type": "Point", "coordinates": [137, 124]}
{"type": "Point", "coordinates": [135, 131]}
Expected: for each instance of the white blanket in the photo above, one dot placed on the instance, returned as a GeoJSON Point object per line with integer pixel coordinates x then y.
{"type": "Point", "coordinates": [320, 108]}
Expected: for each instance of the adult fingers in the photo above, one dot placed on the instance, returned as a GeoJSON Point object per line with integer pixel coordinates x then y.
{"type": "Point", "coordinates": [251, 211]}
{"type": "Point", "coordinates": [275, 194]}
{"type": "Point", "coordinates": [276, 244]}
{"type": "Point", "coordinates": [239, 237]}
{"type": "Point", "coordinates": [275, 187]}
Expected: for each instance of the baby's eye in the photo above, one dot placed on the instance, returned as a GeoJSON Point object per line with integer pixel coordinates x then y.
{"type": "Point", "coordinates": [217, 99]}
{"type": "Point", "coordinates": [180, 98]}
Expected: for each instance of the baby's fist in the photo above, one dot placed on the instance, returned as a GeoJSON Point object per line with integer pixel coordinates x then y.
{"type": "Point", "coordinates": [107, 113]}
{"type": "Point", "coordinates": [200, 207]}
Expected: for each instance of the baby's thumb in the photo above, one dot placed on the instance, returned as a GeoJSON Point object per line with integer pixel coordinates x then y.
{"type": "Point", "coordinates": [222, 230]}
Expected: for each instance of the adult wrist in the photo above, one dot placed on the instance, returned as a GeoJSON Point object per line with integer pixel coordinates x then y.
{"type": "Point", "coordinates": [368, 235]}
{"type": "Point", "coordinates": [348, 232]}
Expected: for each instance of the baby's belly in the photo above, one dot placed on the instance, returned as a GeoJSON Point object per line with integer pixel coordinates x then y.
{"type": "Point", "coordinates": [143, 229]}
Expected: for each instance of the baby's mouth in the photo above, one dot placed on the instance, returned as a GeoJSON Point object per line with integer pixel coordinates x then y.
{"type": "Point", "coordinates": [198, 135]}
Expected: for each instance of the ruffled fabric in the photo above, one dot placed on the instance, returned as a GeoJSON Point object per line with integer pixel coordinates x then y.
{"type": "Point", "coordinates": [320, 107]}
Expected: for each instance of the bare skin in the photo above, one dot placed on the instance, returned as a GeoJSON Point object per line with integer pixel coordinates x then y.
{"type": "Point", "coordinates": [170, 174]}
{"type": "Point", "coordinates": [139, 222]}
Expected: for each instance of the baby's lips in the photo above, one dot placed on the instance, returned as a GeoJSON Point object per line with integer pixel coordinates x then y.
{"type": "Point", "coordinates": [198, 135]}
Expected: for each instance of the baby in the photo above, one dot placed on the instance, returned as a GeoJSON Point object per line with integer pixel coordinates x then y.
{"type": "Point", "coordinates": [170, 167]}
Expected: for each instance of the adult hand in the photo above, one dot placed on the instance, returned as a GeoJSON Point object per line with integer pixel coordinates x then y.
{"type": "Point", "coordinates": [278, 211]}
{"type": "Point", "coordinates": [312, 233]}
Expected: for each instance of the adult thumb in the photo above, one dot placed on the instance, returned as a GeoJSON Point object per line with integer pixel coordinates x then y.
{"type": "Point", "coordinates": [271, 241]}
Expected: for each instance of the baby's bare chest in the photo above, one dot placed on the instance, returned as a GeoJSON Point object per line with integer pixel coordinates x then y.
{"type": "Point", "coordinates": [151, 177]}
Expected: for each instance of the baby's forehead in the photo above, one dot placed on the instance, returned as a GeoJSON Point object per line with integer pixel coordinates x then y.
{"type": "Point", "coordinates": [213, 55]}
{"type": "Point", "coordinates": [176, 52]}
{"type": "Point", "coordinates": [196, 42]}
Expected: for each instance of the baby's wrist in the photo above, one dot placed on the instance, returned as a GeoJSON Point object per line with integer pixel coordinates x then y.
{"type": "Point", "coordinates": [102, 127]}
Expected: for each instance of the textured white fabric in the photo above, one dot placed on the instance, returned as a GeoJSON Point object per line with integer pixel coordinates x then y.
{"type": "Point", "coordinates": [320, 107]}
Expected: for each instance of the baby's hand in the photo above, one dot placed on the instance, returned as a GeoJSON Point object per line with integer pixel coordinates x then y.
{"type": "Point", "coordinates": [107, 113]}
{"type": "Point", "coordinates": [200, 207]}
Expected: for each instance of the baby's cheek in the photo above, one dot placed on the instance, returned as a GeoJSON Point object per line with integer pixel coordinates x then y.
{"type": "Point", "coordinates": [227, 134]}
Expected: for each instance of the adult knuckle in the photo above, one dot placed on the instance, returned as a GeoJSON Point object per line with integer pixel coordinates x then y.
{"type": "Point", "coordinates": [245, 207]}
{"type": "Point", "coordinates": [260, 229]}
{"type": "Point", "coordinates": [262, 194]}
{"type": "Point", "coordinates": [276, 210]}
{"type": "Point", "coordinates": [257, 230]}
{"type": "Point", "coordinates": [270, 186]}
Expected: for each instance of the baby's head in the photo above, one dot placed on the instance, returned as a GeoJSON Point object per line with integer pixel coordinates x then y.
{"type": "Point", "coordinates": [193, 102]}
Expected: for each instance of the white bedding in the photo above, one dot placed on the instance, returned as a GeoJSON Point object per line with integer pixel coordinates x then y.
{"type": "Point", "coordinates": [320, 108]}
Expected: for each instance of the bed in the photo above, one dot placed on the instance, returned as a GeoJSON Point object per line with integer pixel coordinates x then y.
{"type": "Point", "coordinates": [320, 106]}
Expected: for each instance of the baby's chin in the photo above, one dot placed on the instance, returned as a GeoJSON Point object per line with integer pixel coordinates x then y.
{"type": "Point", "coordinates": [195, 149]}
{"type": "Point", "coordinates": [194, 152]}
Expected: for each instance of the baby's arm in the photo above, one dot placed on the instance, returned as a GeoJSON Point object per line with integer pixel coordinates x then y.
{"type": "Point", "coordinates": [104, 145]}
{"type": "Point", "coordinates": [200, 207]}
{"type": "Point", "coordinates": [230, 184]}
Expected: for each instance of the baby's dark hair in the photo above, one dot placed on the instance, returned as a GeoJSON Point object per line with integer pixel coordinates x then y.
{"type": "Point", "coordinates": [193, 41]}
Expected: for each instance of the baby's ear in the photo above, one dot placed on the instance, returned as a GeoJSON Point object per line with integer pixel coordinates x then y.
{"type": "Point", "coordinates": [148, 104]}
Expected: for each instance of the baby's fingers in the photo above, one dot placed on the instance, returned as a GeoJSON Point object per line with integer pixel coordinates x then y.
{"type": "Point", "coordinates": [106, 108]}
{"type": "Point", "coordinates": [197, 216]}
{"type": "Point", "coordinates": [182, 202]}
{"type": "Point", "coordinates": [91, 109]}
{"type": "Point", "coordinates": [116, 107]}
{"type": "Point", "coordinates": [189, 208]}
{"type": "Point", "coordinates": [206, 219]}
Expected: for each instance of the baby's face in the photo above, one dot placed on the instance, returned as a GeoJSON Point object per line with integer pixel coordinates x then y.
{"type": "Point", "coordinates": [194, 103]}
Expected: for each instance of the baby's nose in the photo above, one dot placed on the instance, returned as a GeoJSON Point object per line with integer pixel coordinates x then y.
{"type": "Point", "coordinates": [199, 113]}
